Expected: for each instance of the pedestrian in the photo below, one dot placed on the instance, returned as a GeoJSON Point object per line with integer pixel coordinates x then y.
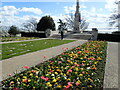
{"type": "Point", "coordinates": [62, 34]}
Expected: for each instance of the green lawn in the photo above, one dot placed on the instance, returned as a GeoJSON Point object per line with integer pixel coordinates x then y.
{"type": "Point", "coordinates": [7, 39]}
{"type": "Point", "coordinates": [15, 49]}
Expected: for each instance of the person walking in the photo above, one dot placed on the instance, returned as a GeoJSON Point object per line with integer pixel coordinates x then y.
{"type": "Point", "coordinates": [62, 34]}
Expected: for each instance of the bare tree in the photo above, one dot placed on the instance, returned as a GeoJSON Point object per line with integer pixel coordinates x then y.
{"type": "Point", "coordinates": [114, 19]}
{"type": "Point", "coordinates": [30, 25]}
{"type": "Point", "coordinates": [70, 22]}
{"type": "Point", "coordinates": [4, 31]}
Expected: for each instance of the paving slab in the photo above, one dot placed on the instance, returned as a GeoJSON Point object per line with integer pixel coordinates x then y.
{"type": "Point", "coordinates": [111, 69]}
{"type": "Point", "coordinates": [16, 64]}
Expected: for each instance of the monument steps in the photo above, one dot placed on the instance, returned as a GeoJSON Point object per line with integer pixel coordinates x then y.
{"type": "Point", "coordinates": [71, 35]}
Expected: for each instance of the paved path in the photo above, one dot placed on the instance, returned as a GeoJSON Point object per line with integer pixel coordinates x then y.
{"type": "Point", "coordinates": [16, 63]}
{"type": "Point", "coordinates": [111, 70]}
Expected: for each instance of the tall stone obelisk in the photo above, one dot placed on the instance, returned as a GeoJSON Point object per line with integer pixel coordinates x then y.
{"type": "Point", "coordinates": [77, 19]}
{"type": "Point", "coordinates": [118, 16]}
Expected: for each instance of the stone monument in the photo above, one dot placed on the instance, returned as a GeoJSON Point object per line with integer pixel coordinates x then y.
{"type": "Point", "coordinates": [77, 32]}
{"type": "Point", "coordinates": [77, 19]}
{"type": "Point", "coordinates": [118, 16]}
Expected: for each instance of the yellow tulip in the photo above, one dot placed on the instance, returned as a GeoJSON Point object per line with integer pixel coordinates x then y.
{"type": "Point", "coordinates": [24, 77]}
{"type": "Point", "coordinates": [68, 79]}
{"type": "Point", "coordinates": [58, 86]}
{"type": "Point", "coordinates": [29, 80]}
{"type": "Point", "coordinates": [80, 74]}
{"type": "Point", "coordinates": [56, 73]}
{"type": "Point", "coordinates": [50, 85]}
{"type": "Point", "coordinates": [31, 74]}
{"type": "Point", "coordinates": [54, 80]}
{"type": "Point", "coordinates": [76, 69]}
{"type": "Point", "coordinates": [36, 76]}
{"type": "Point", "coordinates": [82, 69]}
{"type": "Point", "coordinates": [76, 72]}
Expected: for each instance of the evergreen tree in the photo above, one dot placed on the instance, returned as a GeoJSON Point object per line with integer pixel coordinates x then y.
{"type": "Point", "coordinates": [45, 23]}
{"type": "Point", "coordinates": [13, 30]}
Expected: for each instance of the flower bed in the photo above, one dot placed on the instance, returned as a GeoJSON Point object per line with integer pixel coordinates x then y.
{"type": "Point", "coordinates": [81, 67]}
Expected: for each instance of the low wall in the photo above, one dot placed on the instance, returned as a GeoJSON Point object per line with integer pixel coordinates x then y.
{"type": "Point", "coordinates": [109, 37]}
{"type": "Point", "coordinates": [33, 34]}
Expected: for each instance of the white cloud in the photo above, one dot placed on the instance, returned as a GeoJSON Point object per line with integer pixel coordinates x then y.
{"type": "Point", "coordinates": [72, 8]}
{"type": "Point", "coordinates": [9, 15]}
{"type": "Point", "coordinates": [101, 9]}
{"type": "Point", "coordinates": [69, 9]}
{"type": "Point", "coordinates": [8, 10]}
{"type": "Point", "coordinates": [93, 10]}
{"type": "Point", "coordinates": [110, 5]}
{"type": "Point", "coordinates": [12, 10]}
{"type": "Point", "coordinates": [32, 10]}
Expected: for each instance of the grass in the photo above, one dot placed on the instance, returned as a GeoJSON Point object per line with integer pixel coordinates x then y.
{"type": "Point", "coordinates": [81, 68]}
{"type": "Point", "coordinates": [15, 49]}
{"type": "Point", "coordinates": [7, 39]}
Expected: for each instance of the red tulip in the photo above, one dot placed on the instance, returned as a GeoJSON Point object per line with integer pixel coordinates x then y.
{"type": "Point", "coordinates": [26, 67]}
{"type": "Point", "coordinates": [42, 77]}
{"type": "Point", "coordinates": [79, 52]}
{"type": "Point", "coordinates": [44, 56]}
{"type": "Point", "coordinates": [59, 62]}
{"type": "Point", "coordinates": [15, 89]}
{"type": "Point", "coordinates": [69, 70]}
{"type": "Point", "coordinates": [46, 79]}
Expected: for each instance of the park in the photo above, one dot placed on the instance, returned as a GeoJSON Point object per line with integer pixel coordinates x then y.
{"type": "Point", "coordinates": [69, 57]}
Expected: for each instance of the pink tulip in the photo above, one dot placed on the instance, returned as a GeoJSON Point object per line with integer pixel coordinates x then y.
{"type": "Point", "coordinates": [73, 66]}
{"type": "Point", "coordinates": [26, 67]}
{"type": "Point", "coordinates": [83, 72]}
{"type": "Point", "coordinates": [69, 70]}
{"type": "Point", "coordinates": [59, 62]}
{"type": "Point", "coordinates": [69, 83]}
{"type": "Point", "coordinates": [44, 56]}
{"type": "Point", "coordinates": [9, 74]}
{"type": "Point", "coordinates": [63, 54]}
{"type": "Point", "coordinates": [42, 77]}
{"type": "Point", "coordinates": [60, 56]}
{"type": "Point", "coordinates": [50, 61]}
{"type": "Point", "coordinates": [33, 71]}
{"type": "Point", "coordinates": [77, 83]}
{"type": "Point", "coordinates": [46, 79]}
{"type": "Point", "coordinates": [51, 71]}
{"type": "Point", "coordinates": [83, 64]}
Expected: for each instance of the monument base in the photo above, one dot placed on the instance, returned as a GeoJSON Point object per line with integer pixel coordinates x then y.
{"type": "Point", "coordinates": [79, 35]}
{"type": "Point", "coordinates": [73, 35]}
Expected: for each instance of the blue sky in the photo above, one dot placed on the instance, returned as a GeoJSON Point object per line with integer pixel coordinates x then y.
{"type": "Point", "coordinates": [55, 7]}
{"type": "Point", "coordinates": [96, 13]}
